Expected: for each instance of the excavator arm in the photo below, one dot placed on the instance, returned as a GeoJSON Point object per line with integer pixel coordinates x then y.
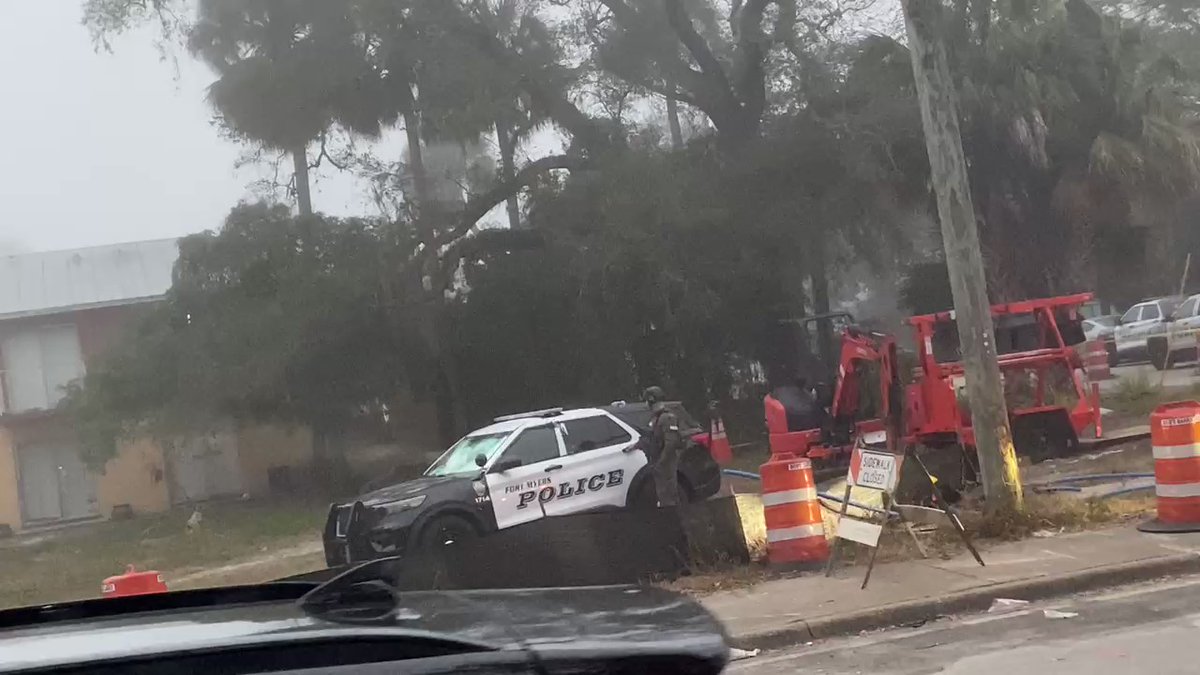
{"type": "Point", "coordinates": [865, 360]}
{"type": "Point", "coordinates": [859, 349]}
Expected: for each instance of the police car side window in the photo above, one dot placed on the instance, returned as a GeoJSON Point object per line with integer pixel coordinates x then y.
{"type": "Point", "coordinates": [533, 445]}
{"type": "Point", "coordinates": [590, 433]}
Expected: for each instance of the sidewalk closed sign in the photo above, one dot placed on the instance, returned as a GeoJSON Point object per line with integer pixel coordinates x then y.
{"type": "Point", "coordinates": [861, 531]}
{"type": "Point", "coordinates": [874, 470]}
{"type": "Point", "coordinates": [878, 470]}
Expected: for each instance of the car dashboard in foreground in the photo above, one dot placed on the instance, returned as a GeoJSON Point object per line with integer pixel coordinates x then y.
{"type": "Point", "coordinates": [362, 626]}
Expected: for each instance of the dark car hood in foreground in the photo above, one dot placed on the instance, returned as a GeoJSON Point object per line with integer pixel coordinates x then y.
{"type": "Point", "coordinates": [409, 488]}
{"type": "Point", "coordinates": [588, 622]}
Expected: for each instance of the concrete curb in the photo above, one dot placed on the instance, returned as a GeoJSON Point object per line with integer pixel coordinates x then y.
{"type": "Point", "coordinates": [971, 600]}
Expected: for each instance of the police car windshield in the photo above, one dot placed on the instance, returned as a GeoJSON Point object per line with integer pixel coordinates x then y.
{"type": "Point", "coordinates": [460, 458]}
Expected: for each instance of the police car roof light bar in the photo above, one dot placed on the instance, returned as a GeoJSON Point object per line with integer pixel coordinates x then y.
{"type": "Point", "coordinates": [546, 412]}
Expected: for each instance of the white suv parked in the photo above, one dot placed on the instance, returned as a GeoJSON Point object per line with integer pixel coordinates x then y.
{"type": "Point", "coordinates": [1141, 322]}
{"type": "Point", "coordinates": [1181, 333]}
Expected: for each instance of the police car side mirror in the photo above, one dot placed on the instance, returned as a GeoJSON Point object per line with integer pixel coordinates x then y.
{"type": "Point", "coordinates": [480, 460]}
{"type": "Point", "coordinates": [505, 464]}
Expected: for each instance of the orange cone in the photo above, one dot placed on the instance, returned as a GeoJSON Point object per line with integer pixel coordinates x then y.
{"type": "Point", "coordinates": [718, 445]}
{"type": "Point", "coordinates": [133, 582]}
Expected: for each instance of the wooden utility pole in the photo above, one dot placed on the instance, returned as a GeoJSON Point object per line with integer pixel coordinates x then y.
{"type": "Point", "coordinates": [960, 240]}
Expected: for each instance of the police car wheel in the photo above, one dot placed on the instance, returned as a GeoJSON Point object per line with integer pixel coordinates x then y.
{"type": "Point", "coordinates": [447, 530]}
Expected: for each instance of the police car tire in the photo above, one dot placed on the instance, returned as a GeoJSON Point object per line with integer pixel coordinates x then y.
{"type": "Point", "coordinates": [462, 528]}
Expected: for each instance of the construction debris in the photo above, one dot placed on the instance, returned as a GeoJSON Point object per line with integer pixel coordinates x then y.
{"type": "Point", "coordinates": [1003, 605]}
{"type": "Point", "coordinates": [1055, 614]}
{"type": "Point", "coordinates": [736, 654]}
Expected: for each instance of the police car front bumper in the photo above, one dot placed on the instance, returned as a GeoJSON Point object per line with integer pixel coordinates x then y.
{"type": "Point", "coordinates": [355, 533]}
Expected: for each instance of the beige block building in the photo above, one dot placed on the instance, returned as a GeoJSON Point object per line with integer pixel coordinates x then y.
{"type": "Point", "coordinates": [60, 311]}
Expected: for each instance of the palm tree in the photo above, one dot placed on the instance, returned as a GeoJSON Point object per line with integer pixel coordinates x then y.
{"type": "Point", "coordinates": [288, 70]}
{"type": "Point", "coordinates": [1075, 129]}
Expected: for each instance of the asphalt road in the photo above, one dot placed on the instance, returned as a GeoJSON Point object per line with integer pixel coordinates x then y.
{"type": "Point", "coordinates": [1151, 628]}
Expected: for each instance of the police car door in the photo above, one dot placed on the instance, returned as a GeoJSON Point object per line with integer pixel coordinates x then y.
{"type": "Point", "coordinates": [519, 481]}
{"type": "Point", "coordinates": [600, 464]}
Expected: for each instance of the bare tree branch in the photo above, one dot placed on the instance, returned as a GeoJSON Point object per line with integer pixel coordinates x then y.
{"type": "Point", "coordinates": [622, 13]}
{"type": "Point", "coordinates": [477, 206]}
{"type": "Point", "coordinates": [681, 23]}
{"type": "Point", "coordinates": [675, 69]}
{"type": "Point", "coordinates": [554, 105]}
{"type": "Point", "coordinates": [325, 155]}
{"type": "Point", "coordinates": [752, 53]}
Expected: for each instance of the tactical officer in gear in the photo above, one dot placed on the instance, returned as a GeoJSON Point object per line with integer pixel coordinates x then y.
{"type": "Point", "coordinates": [667, 442]}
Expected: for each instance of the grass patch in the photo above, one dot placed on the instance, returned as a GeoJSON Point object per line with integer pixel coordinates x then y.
{"type": "Point", "coordinates": [750, 457]}
{"type": "Point", "coordinates": [71, 564]}
{"type": "Point", "coordinates": [1132, 457]}
{"type": "Point", "coordinates": [754, 527]}
{"type": "Point", "coordinates": [1059, 513]}
{"type": "Point", "coordinates": [1134, 395]}
{"type": "Point", "coordinates": [727, 578]}
{"type": "Point", "coordinates": [1138, 395]}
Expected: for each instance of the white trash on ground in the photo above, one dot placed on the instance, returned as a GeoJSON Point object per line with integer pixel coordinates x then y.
{"type": "Point", "coordinates": [1002, 605]}
{"type": "Point", "coordinates": [1055, 614]}
{"type": "Point", "coordinates": [736, 654]}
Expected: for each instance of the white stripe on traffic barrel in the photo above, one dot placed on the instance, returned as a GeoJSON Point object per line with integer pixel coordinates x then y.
{"type": "Point", "coordinates": [789, 496]}
{"type": "Point", "coordinates": [798, 532]}
{"type": "Point", "coordinates": [1177, 451]}
{"type": "Point", "coordinates": [1181, 490]}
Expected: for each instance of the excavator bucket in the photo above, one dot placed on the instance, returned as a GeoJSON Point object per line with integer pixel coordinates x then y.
{"type": "Point", "coordinates": [1043, 434]}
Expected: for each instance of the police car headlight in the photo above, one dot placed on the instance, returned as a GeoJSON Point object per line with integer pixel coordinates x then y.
{"type": "Point", "coordinates": [403, 504]}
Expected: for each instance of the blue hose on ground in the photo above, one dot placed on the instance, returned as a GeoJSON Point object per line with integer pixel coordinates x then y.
{"type": "Point", "coordinates": [1055, 488]}
{"type": "Point", "coordinates": [838, 501]}
{"type": "Point", "coordinates": [821, 495]}
{"type": "Point", "coordinates": [1126, 491]}
{"type": "Point", "coordinates": [1097, 476]}
{"type": "Point", "coordinates": [1065, 484]}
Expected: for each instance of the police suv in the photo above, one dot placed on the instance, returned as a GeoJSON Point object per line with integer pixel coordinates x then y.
{"type": "Point", "coordinates": [521, 468]}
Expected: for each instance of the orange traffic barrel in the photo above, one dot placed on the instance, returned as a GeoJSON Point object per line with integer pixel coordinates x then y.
{"type": "Point", "coordinates": [1095, 361]}
{"type": "Point", "coordinates": [718, 443]}
{"type": "Point", "coordinates": [1175, 435]}
{"type": "Point", "coordinates": [133, 582]}
{"type": "Point", "coordinates": [795, 529]}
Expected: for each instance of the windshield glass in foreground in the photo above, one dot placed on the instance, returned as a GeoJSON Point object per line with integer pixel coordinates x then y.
{"type": "Point", "coordinates": [460, 458]}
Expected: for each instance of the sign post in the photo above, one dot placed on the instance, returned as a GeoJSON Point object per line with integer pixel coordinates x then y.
{"type": "Point", "coordinates": [878, 469]}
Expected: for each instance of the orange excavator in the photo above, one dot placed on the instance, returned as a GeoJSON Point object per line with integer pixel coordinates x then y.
{"type": "Point", "coordinates": [1048, 400]}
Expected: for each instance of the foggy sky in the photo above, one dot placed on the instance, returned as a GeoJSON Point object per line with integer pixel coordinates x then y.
{"type": "Point", "coordinates": [114, 147]}
{"type": "Point", "coordinates": [102, 148]}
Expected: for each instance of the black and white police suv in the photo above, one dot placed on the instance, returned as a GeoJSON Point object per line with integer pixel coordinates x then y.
{"type": "Point", "coordinates": [520, 468]}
